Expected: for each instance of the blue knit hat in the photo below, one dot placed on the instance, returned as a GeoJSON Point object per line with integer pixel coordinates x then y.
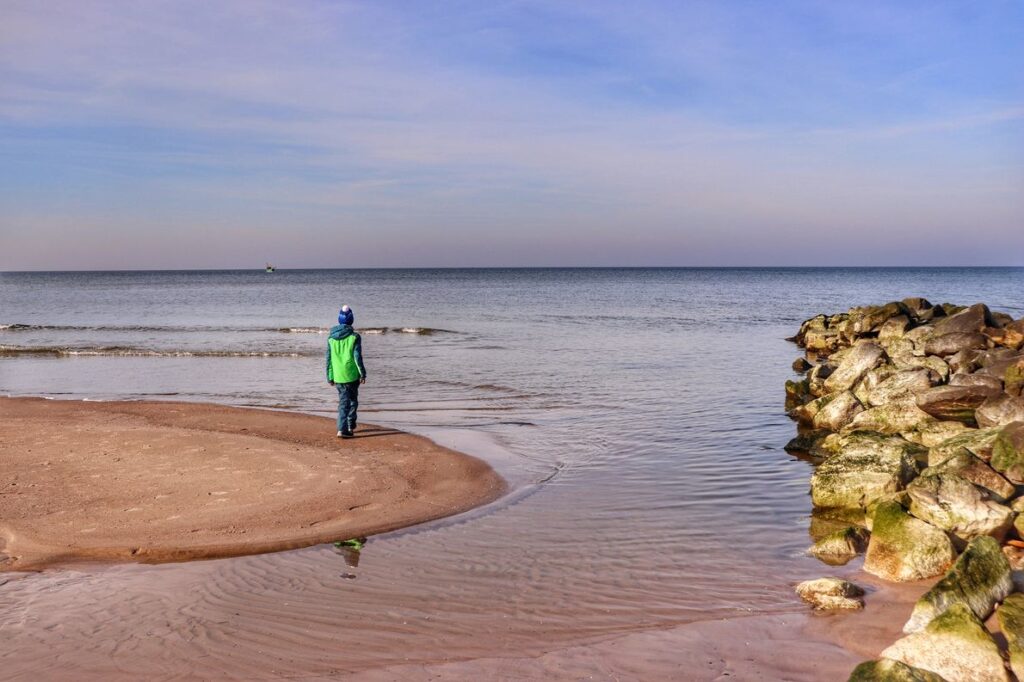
{"type": "Point", "coordinates": [345, 315]}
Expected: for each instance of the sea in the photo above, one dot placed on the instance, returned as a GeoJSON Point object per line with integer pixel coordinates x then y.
{"type": "Point", "coordinates": [638, 415]}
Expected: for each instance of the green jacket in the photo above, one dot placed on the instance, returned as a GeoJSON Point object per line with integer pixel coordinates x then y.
{"type": "Point", "coordinates": [344, 355]}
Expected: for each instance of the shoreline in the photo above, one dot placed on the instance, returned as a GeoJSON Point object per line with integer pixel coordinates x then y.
{"type": "Point", "coordinates": [154, 482]}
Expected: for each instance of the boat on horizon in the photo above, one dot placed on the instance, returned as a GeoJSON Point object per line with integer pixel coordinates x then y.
{"type": "Point", "coordinates": [270, 268]}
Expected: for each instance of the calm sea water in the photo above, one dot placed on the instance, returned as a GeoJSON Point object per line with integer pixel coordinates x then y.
{"type": "Point", "coordinates": [638, 413]}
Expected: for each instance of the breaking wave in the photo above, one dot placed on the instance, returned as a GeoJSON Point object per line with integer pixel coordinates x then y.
{"type": "Point", "coordinates": [129, 351]}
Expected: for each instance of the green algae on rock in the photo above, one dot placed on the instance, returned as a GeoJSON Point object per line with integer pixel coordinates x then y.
{"type": "Point", "coordinates": [1008, 452]}
{"type": "Point", "coordinates": [904, 548]}
{"type": "Point", "coordinates": [979, 579]}
{"type": "Point", "coordinates": [839, 547]}
{"type": "Point", "coordinates": [866, 467]}
{"type": "Point", "coordinates": [954, 504]}
{"type": "Point", "coordinates": [954, 645]}
{"type": "Point", "coordinates": [888, 670]}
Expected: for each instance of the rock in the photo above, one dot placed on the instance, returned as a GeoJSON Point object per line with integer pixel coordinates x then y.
{"type": "Point", "coordinates": [826, 594]}
{"type": "Point", "coordinates": [838, 412]}
{"type": "Point", "coordinates": [838, 547]}
{"type": "Point", "coordinates": [903, 548]}
{"type": "Point", "coordinates": [898, 385]}
{"type": "Point", "coordinates": [955, 645]}
{"type": "Point", "coordinates": [1008, 452]}
{"type": "Point", "coordinates": [979, 580]}
{"type": "Point", "coordinates": [895, 417]}
{"type": "Point", "coordinates": [965, 361]}
{"type": "Point", "coordinates": [801, 365]}
{"type": "Point", "coordinates": [888, 670]}
{"type": "Point", "coordinates": [954, 504]}
{"type": "Point", "coordinates": [1011, 622]}
{"type": "Point", "coordinates": [871, 318]}
{"type": "Point", "coordinates": [934, 432]}
{"type": "Point", "coordinates": [972, 319]}
{"type": "Point", "coordinates": [1013, 378]}
{"type": "Point", "coordinates": [916, 304]}
{"type": "Point", "coordinates": [866, 467]}
{"type": "Point", "coordinates": [979, 442]}
{"type": "Point", "coordinates": [862, 357]}
{"type": "Point", "coordinates": [918, 336]}
{"type": "Point", "coordinates": [936, 364]}
{"type": "Point", "coordinates": [1007, 337]}
{"type": "Point", "coordinates": [1015, 555]}
{"type": "Point", "coordinates": [893, 329]}
{"type": "Point", "coordinates": [1000, 410]}
{"type": "Point", "coordinates": [995, 383]}
{"type": "Point", "coordinates": [806, 413]}
{"type": "Point", "coordinates": [977, 472]}
{"type": "Point", "coordinates": [953, 402]}
{"type": "Point", "coordinates": [950, 344]}
{"type": "Point", "coordinates": [1000, 367]}
{"type": "Point", "coordinates": [805, 440]}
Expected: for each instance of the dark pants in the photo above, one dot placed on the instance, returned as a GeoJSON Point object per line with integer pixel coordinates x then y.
{"type": "Point", "coordinates": [348, 401]}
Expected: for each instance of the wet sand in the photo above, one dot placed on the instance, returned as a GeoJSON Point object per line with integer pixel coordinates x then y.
{"type": "Point", "coordinates": [159, 481]}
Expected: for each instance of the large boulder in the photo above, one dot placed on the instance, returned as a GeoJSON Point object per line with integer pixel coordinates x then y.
{"type": "Point", "coordinates": [963, 362]}
{"type": "Point", "coordinates": [903, 548]}
{"type": "Point", "coordinates": [1008, 452]}
{"type": "Point", "coordinates": [1011, 622]}
{"type": "Point", "coordinates": [954, 504]}
{"type": "Point", "coordinates": [839, 547]}
{"type": "Point", "coordinates": [979, 580]}
{"type": "Point", "coordinates": [972, 319]}
{"type": "Point", "coordinates": [898, 385]}
{"type": "Point", "coordinates": [828, 594]}
{"type": "Point", "coordinates": [987, 380]}
{"type": "Point", "coordinates": [1008, 336]}
{"type": "Point", "coordinates": [805, 413]}
{"type": "Point", "coordinates": [977, 472]}
{"type": "Point", "coordinates": [953, 402]}
{"type": "Point", "coordinates": [899, 416]}
{"type": "Point", "coordinates": [955, 645]}
{"type": "Point", "coordinates": [1000, 410]}
{"type": "Point", "coordinates": [838, 412]}
{"type": "Point", "coordinates": [934, 432]}
{"type": "Point", "coordinates": [951, 344]}
{"type": "Point", "coordinates": [893, 329]}
{"type": "Point", "coordinates": [866, 467]}
{"type": "Point", "coordinates": [860, 359]}
{"type": "Point", "coordinates": [888, 670]}
{"type": "Point", "coordinates": [979, 442]}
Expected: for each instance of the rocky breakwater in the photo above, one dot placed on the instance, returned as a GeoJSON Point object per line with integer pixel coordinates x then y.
{"type": "Point", "coordinates": [914, 416]}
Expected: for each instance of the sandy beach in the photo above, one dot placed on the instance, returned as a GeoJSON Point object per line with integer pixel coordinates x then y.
{"type": "Point", "coordinates": [160, 481]}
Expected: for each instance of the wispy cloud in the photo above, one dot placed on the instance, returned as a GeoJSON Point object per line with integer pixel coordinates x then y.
{"type": "Point", "coordinates": [650, 132]}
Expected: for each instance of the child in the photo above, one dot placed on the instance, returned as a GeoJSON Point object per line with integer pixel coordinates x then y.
{"type": "Point", "coordinates": [345, 370]}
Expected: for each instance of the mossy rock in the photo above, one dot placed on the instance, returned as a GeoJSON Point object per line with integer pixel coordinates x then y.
{"type": "Point", "coordinates": [831, 594]}
{"type": "Point", "coordinates": [866, 467]}
{"type": "Point", "coordinates": [904, 548]}
{"type": "Point", "coordinates": [977, 472]}
{"type": "Point", "coordinates": [934, 432]}
{"type": "Point", "coordinates": [1008, 452]}
{"type": "Point", "coordinates": [1010, 616]}
{"type": "Point", "coordinates": [979, 579]}
{"type": "Point", "coordinates": [892, 418]}
{"type": "Point", "coordinates": [954, 645]}
{"type": "Point", "coordinates": [979, 442]}
{"type": "Point", "coordinates": [839, 547]}
{"type": "Point", "coordinates": [888, 670]}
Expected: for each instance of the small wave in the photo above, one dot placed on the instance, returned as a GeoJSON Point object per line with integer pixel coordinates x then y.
{"type": "Point", "coordinates": [127, 351]}
{"type": "Point", "coordinates": [303, 330]}
{"type": "Point", "coordinates": [423, 331]}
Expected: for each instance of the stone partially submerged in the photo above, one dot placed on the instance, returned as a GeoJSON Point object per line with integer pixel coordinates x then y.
{"type": "Point", "coordinates": [954, 645]}
{"type": "Point", "coordinates": [829, 594]}
{"type": "Point", "coordinates": [888, 670]}
{"type": "Point", "coordinates": [839, 547]}
{"type": "Point", "coordinates": [866, 467]}
{"type": "Point", "coordinates": [979, 580]}
{"type": "Point", "coordinates": [904, 548]}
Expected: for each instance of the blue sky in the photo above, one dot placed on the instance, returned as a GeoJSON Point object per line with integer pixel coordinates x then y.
{"type": "Point", "coordinates": [351, 134]}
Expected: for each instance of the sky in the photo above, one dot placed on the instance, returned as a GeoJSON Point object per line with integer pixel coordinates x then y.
{"type": "Point", "coordinates": [179, 134]}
